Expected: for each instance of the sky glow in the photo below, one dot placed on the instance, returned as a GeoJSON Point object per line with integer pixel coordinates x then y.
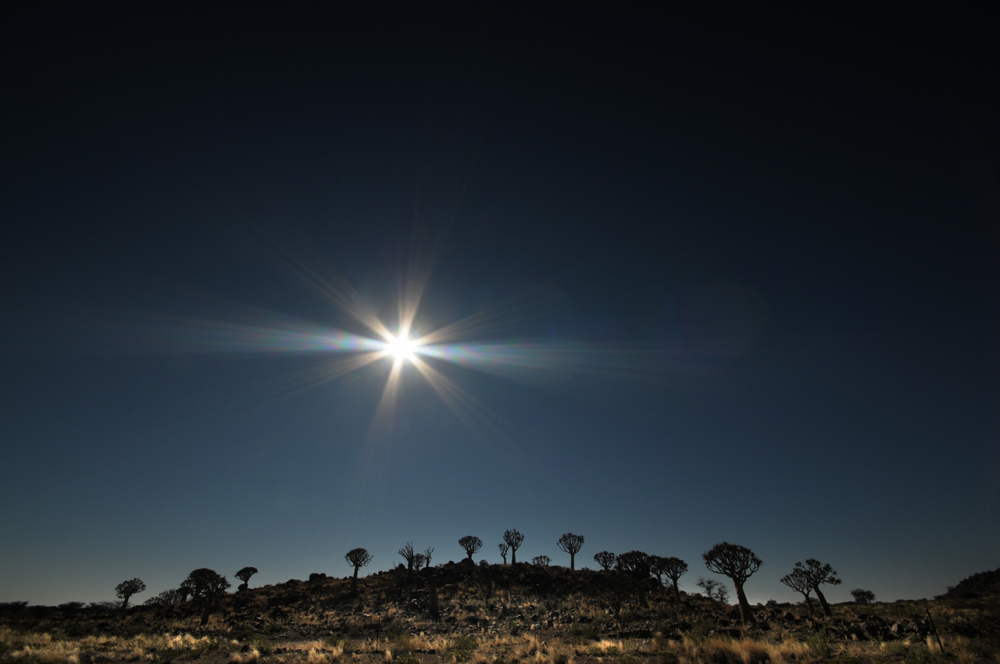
{"type": "Point", "coordinates": [662, 284]}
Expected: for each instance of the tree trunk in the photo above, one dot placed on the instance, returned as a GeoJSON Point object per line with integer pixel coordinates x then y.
{"type": "Point", "coordinates": [572, 561]}
{"type": "Point", "coordinates": [745, 611]}
{"type": "Point", "coordinates": [513, 556]}
{"type": "Point", "coordinates": [809, 603]}
{"type": "Point", "coordinates": [822, 600]}
{"type": "Point", "coordinates": [354, 582]}
{"type": "Point", "coordinates": [677, 591]}
{"type": "Point", "coordinates": [435, 610]}
{"type": "Point", "coordinates": [125, 603]}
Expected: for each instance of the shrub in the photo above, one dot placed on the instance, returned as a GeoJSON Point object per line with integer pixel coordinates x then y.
{"type": "Point", "coordinates": [463, 647]}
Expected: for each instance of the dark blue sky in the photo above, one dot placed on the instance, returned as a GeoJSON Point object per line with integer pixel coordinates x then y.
{"type": "Point", "coordinates": [726, 277]}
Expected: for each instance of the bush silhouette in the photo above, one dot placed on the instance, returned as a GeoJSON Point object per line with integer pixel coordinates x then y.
{"type": "Point", "coordinates": [816, 574]}
{"type": "Point", "coordinates": [862, 596]}
{"type": "Point", "coordinates": [471, 545]}
{"type": "Point", "coordinates": [605, 559]}
{"type": "Point", "coordinates": [513, 539]}
{"type": "Point", "coordinates": [543, 561]}
{"type": "Point", "coordinates": [126, 589]}
{"type": "Point", "coordinates": [713, 589]}
{"type": "Point", "coordinates": [170, 597]}
{"type": "Point", "coordinates": [571, 544]}
{"type": "Point", "coordinates": [738, 563]}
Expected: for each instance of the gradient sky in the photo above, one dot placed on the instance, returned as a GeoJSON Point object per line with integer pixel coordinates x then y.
{"type": "Point", "coordinates": [723, 277]}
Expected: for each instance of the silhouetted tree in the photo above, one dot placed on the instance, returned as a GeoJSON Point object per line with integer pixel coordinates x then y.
{"type": "Point", "coordinates": [513, 540]}
{"type": "Point", "coordinates": [571, 544]}
{"type": "Point", "coordinates": [615, 588]}
{"type": "Point", "coordinates": [419, 560]}
{"type": "Point", "coordinates": [206, 586]}
{"type": "Point", "coordinates": [862, 596]}
{"type": "Point", "coordinates": [470, 544]}
{"type": "Point", "coordinates": [655, 568]}
{"type": "Point", "coordinates": [408, 555]}
{"type": "Point", "coordinates": [798, 582]}
{"type": "Point", "coordinates": [427, 555]}
{"type": "Point", "coordinates": [817, 573]}
{"type": "Point", "coordinates": [738, 563]}
{"type": "Point", "coordinates": [605, 559]}
{"type": "Point", "coordinates": [504, 548]}
{"type": "Point", "coordinates": [636, 565]}
{"type": "Point", "coordinates": [244, 576]}
{"type": "Point", "coordinates": [126, 589]}
{"type": "Point", "coordinates": [673, 568]}
{"type": "Point", "coordinates": [357, 558]}
{"type": "Point", "coordinates": [713, 589]}
{"type": "Point", "coordinates": [170, 597]}
{"type": "Point", "coordinates": [541, 560]}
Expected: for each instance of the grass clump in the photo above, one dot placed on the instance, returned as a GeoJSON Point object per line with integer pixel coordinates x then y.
{"type": "Point", "coordinates": [463, 647]}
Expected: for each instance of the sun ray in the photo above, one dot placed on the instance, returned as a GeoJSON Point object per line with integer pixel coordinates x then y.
{"type": "Point", "coordinates": [300, 256]}
{"type": "Point", "coordinates": [383, 422]}
{"type": "Point", "coordinates": [466, 407]}
{"type": "Point", "coordinates": [307, 379]}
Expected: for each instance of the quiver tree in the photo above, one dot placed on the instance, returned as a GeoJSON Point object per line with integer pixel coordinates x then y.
{"type": "Point", "coordinates": [636, 565]}
{"type": "Point", "coordinates": [427, 556]}
{"type": "Point", "coordinates": [244, 576]}
{"type": "Point", "coordinates": [126, 589]}
{"type": "Point", "coordinates": [605, 559]}
{"type": "Point", "coordinates": [798, 582]}
{"type": "Point", "coordinates": [504, 548]}
{"type": "Point", "coordinates": [471, 545]}
{"type": "Point", "coordinates": [738, 563]}
{"type": "Point", "coordinates": [571, 544]}
{"type": "Point", "coordinates": [513, 540]}
{"type": "Point", "coordinates": [419, 560]}
{"type": "Point", "coordinates": [542, 561]}
{"type": "Point", "coordinates": [817, 573]}
{"type": "Point", "coordinates": [357, 558]}
{"type": "Point", "coordinates": [673, 568]}
{"type": "Point", "coordinates": [862, 596]}
{"type": "Point", "coordinates": [408, 555]}
{"type": "Point", "coordinates": [206, 587]}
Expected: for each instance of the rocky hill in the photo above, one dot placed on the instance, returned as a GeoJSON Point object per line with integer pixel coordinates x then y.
{"type": "Point", "coordinates": [983, 584]}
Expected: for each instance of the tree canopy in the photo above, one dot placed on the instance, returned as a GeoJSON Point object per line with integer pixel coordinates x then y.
{"type": "Point", "coordinates": [126, 589]}
{"type": "Point", "coordinates": [571, 544]}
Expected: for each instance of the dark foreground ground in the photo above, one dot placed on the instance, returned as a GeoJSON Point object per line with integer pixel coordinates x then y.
{"type": "Point", "coordinates": [491, 614]}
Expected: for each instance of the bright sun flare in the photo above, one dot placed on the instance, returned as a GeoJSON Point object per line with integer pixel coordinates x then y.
{"type": "Point", "coordinates": [401, 347]}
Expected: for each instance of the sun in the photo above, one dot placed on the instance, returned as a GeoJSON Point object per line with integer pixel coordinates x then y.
{"type": "Point", "coordinates": [401, 347]}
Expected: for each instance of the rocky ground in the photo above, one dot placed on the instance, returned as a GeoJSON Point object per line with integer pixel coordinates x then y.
{"type": "Point", "coordinates": [499, 614]}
